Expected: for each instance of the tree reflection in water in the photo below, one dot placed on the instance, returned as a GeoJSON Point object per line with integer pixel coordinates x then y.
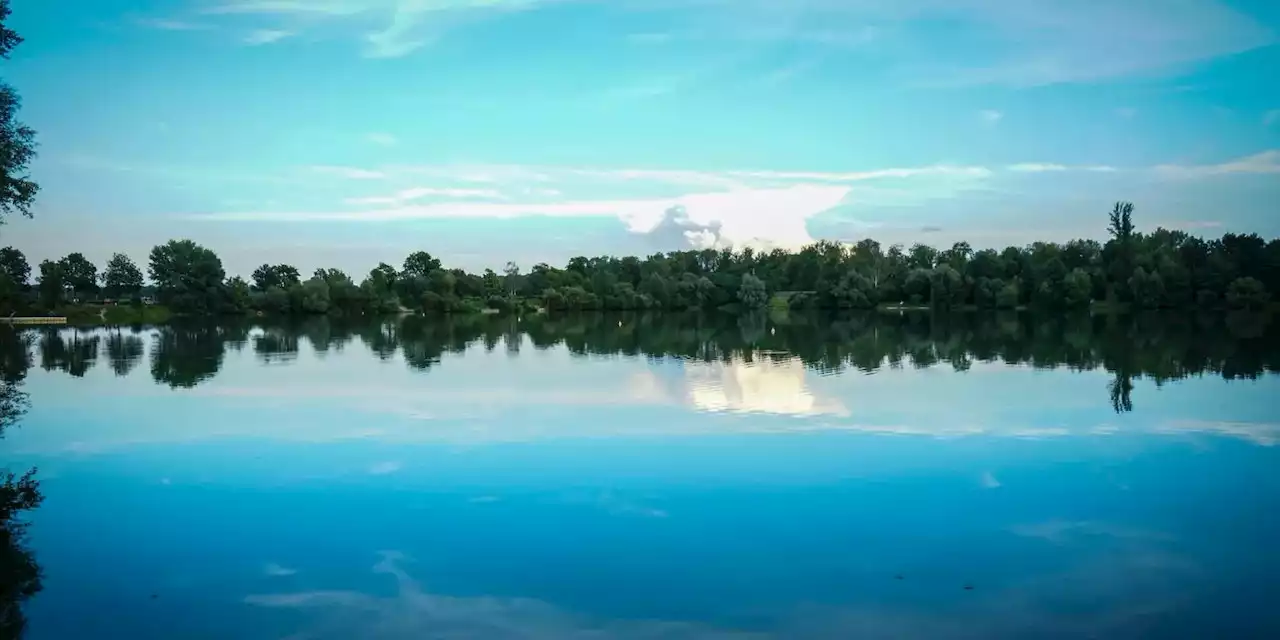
{"type": "Point", "coordinates": [19, 493]}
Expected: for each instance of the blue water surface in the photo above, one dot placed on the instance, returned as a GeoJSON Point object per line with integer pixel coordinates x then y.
{"type": "Point", "coordinates": [332, 493]}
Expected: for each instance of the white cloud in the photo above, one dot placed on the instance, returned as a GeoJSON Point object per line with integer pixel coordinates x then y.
{"type": "Point", "coordinates": [1034, 167]}
{"type": "Point", "coordinates": [1045, 167]}
{"type": "Point", "coordinates": [350, 173]}
{"type": "Point", "coordinates": [381, 138]}
{"type": "Point", "coordinates": [1266, 162]}
{"type": "Point", "coordinates": [761, 208]}
{"type": "Point", "coordinates": [990, 116]}
{"type": "Point", "coordinates": [417, 193]}
{"type": "Point", "coordinates": [749, 217]}
{"type": "Point", "coordinates": [266, 36]}
{"type": "Point", "coordinates": [989, 481]}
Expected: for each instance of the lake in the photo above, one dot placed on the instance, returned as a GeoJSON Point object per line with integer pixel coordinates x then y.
{"type": "Point", "coordinates": [630, 476]}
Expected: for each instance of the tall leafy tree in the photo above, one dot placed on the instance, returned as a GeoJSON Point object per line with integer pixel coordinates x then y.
{"type": "Point", "coordinates": [121, 278]}
{"type": "Point", "coordinates": [53, 284]}
{"type": "Point", "coordinates": [188, 277]}
{"type": "Point", "coordinates": [1120, 226]}
{"type": "Point", "coordinates": [80, 274]}
{"type": "Point", "coordinates": [17, 141]}
{"type": "Point", "coordinates": [14, 274]}
{"type": "Point", "coordinates": [280, 275]}
{"type": "Point", "coordinates": [13, 265]}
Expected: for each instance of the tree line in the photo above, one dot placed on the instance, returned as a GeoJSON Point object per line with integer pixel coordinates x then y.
{"type": "Point", "coordinates": [1162, 269]}
{"type": "Point", "coordinates": [1159, 347]}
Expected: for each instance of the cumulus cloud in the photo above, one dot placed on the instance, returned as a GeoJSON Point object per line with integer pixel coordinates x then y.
{"type": "Point", "coordinates": [749, 217]}
{"type": "Point", "coordinates": [675, 229]}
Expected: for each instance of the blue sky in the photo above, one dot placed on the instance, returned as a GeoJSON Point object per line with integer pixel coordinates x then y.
{"type": "Point", "coordinates": [347, 132]}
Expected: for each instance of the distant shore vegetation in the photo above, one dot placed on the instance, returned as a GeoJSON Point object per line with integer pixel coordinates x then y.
{"type": "Point", "coordinates": [1161, 269]}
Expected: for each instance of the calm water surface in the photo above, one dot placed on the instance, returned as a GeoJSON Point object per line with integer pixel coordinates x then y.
{"type": "Point", "coordinates": [654, 477]}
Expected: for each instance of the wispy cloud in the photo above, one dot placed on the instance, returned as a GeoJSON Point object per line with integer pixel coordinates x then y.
{"type": "Point", "coordinates": [169, 24]}
{"type": "Point", "coordinates": [350, 173]}
{"type": "Point", "coordinates": [381, 138]}
{"type": "Point", "coordinates": [1271, 117]}
{"type": "Point", "coordinates": [1266, 162]}
{"type": "Point", "coordinates": [1034, 42]}
{"type": "Point", "coordinates": [990, 116]}
{"type": "Point", "coordinates": [1036, 167]}
{"type": "Point", "coordinates": [1044, 167]}
{"type": "Point", "coordinates": [408, 25]}
{"type": "Point", "coordinates": [266, 36]}
{"type": "Point", "coordinates": [418, 193]}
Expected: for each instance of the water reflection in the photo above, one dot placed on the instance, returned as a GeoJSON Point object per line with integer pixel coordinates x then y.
{"type": "Point", "coordinates": [19, 492]}
{"type": "Point", "coordinates": [750, 363]}
{"type": "Point", "coordinates": [607, 477]}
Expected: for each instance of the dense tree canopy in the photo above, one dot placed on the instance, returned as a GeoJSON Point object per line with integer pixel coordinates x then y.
{"type": "Point", "coordinates": [121, 278]}
{"type": "Point", "coordinates": [17, 141]}
{"type": "Point", "coordinates": [188, 278]}
{"type": "Point", "coordinates": [1160, 269]}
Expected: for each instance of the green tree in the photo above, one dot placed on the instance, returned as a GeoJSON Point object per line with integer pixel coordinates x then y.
{"type": "Point", "coordinates": [14, 274]}
{"type": "Point", "coordinates": [53, 284]}
{"type": "Point", "coordinates": [188, 277]}
{"type": "Point", "coordinates": [121, 278]}
{"type": "Point", "coordinates": [17, 141]}
{"type": "Point", "coordinates": [280, 275]}
{"type": "Point", "coordinates": [13, 264]}
{"type": "Point", "coordinates": [80, 274]}
{"type": "Point", "coordinates": [1121, 246]}
{"type": "Point", "coordinates": [239, 295]}
{"type": "Point", "coordinates": [420, 264]}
